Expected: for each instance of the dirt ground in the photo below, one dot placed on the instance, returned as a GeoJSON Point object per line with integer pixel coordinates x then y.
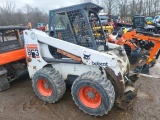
{"type": "Point", "coordinates": [21, 103]}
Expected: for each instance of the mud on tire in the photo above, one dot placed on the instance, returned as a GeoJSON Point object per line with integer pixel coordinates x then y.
{"type": "Point", "coordinates": [4, 84]}
{"type": "Point", "coordinates": [48, 84]}
{"type": "Point", "coordinates": [102, 93]}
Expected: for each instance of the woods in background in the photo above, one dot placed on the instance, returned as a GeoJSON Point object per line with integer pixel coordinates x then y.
{"type": "Point", "coordinates": [11, 15]}
{"type": "Point", "coordinates": [128, 8]}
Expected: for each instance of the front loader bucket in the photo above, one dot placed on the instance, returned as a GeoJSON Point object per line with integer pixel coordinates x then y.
{"type": "Point", "coordinates": [127, 100]}
{"type": "Point", "coordinates": [130, 95]}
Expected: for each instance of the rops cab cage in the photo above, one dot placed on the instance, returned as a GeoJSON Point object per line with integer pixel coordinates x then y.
{"type": "Point", "coordinates": [10, 38]}
{"type": "Point", "coordinates": [78, 24]}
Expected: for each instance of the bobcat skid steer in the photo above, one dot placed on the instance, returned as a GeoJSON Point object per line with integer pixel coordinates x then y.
{"type": "Point", "coordinates": [99, 71]}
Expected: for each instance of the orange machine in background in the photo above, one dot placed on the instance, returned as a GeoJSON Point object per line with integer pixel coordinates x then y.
{"type": "Point", "coordinates": [126, 39]}
{"type": "Point", "coordinates": [12, 55]}
{"type": "Point", "coordinates": [154, 49]}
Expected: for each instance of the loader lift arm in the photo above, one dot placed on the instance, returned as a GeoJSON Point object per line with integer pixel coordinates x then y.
{"type": "Point", "coordinates": [138, 35]}
{"type": "Point", "coordinates": [73, 51]}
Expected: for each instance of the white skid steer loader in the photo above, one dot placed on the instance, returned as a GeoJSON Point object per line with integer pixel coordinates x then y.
{"type": "Point", "coordinates": [99, 77]}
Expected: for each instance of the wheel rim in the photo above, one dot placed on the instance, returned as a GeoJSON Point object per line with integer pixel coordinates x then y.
{"type": "Point", "coordinates": [44, 87]}
{"type": "Point", "coordinates": [90, 97]}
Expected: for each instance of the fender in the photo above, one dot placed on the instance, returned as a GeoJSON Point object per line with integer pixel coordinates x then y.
{"type": "Point", "coordinates": [118, 84]}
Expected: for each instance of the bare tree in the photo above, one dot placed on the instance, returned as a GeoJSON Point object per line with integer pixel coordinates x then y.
{"type": "Point", "coordinates": [9, 15]}
{"type": "Point", "coordinates": [8, 6]}
{"type": "Point", "coordinates": [156, 5]}
{"type": "Point", "coordinates": [109, 5]}
{"type": "Point", "coordinates": [27, 9]}
{"type": "Point", "coordinates": [7, 10]}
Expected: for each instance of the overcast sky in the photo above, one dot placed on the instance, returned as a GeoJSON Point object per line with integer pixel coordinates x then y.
{"type": "Point", "coordinates": [44, 5]}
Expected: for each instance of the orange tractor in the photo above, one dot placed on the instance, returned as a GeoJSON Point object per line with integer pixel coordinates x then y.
{"type": "Point", "coordinates": [153, 45]}
{"type": "Point", "coordinates": [12, 54]}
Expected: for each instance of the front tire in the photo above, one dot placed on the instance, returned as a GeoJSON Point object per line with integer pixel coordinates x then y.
{"type": "Point", "coordinates": [93, 93]}
{"type": "Point", "coordinates": [48, 84]}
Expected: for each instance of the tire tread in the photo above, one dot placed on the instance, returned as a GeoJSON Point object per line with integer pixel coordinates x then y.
{"type": "Point", "coordinates": [56, 78]}
{"type": "Point", "coordinates": [101, 80]}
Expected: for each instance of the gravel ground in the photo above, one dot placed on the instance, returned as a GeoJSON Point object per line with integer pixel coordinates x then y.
{"type": "Point", "coordinates": [21, 103]}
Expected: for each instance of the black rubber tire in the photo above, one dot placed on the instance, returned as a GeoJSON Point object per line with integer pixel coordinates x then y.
{"type": "Point", "coordinates": [102, 85]}
{"type": "Point", "coordinates": [55, 79]}
{"type": "Point", "coordinates": [4, 84]}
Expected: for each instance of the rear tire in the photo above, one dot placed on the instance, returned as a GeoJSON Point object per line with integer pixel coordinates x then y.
{"type": "Point", "coordinates": [48, 84]}
{"type": "Point", "coordinates": [93, 93]}
{"type": "Point", "coordinates": [4, 84]}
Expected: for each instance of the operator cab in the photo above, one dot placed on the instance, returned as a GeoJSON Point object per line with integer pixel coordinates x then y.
{"type": "Point", "coordinates": [138, 21]}
{"type": "Point", "coordinates": [10, 38]}
{"type": "Point", "coordinates": [78, 24]}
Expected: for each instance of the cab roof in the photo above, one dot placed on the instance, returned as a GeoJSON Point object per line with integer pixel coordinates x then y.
{"type": "Point", "coordinates": [6, 28]}
{"type": "Point", "coordinates": [86, 6]}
